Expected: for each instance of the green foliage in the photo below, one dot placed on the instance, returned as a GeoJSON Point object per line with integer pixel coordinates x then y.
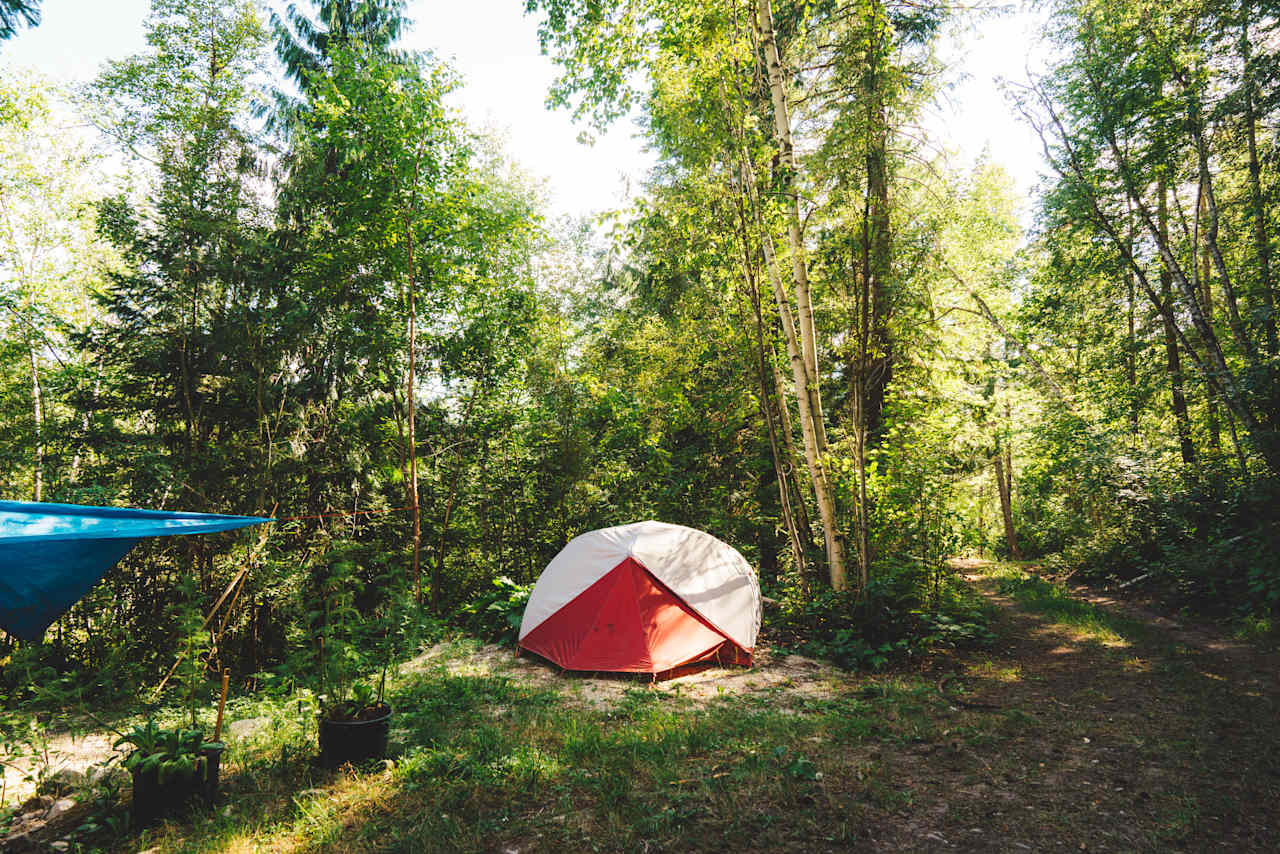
{"type": "Point", "coordinates": [361, 703]}
{"type": "Point", "coordinates": [496, 614]}
{"type": "Point", "coordinates": [174, 754]}
{"type": "Point", "coordinates": [1213, 541]}
{"type": "Point", "coordinates": [896, 616]}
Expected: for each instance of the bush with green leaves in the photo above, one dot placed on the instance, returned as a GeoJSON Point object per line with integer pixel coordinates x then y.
{"type": "Point", "coordinates": [1214, 539]}
{"type": "Point", "coordinates": [903, 610]}
{"type": "Point", "coordinates": [496, 614]}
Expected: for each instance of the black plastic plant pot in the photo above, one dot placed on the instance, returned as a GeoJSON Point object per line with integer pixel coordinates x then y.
{"type": "Point", "coordinates": [212, 766]}
{"type": "Point", "coordinates": [154, 799]}
{"type": "Point", "coordinates": [355, 742]}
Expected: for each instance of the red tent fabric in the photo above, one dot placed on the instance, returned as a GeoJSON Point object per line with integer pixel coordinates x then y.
{"type": "Point", "coordinates": [623, 617]}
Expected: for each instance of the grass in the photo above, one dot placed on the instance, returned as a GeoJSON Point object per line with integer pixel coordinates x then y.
{"type": "Point", "coordinates": [1056, 603]}
{"type": "Point", "coordinates": [1068, 742]}
{"type": "Point", "coordinates": [485, 763]}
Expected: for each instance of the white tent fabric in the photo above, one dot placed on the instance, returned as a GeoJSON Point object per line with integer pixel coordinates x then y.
{"type": "Point", "coordinates": [709, 575]}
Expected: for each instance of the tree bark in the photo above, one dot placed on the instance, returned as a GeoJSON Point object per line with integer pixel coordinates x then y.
{"type": "Point", "coordinates": [1004, 483]}
{"type": "Point", "coordinates": [1212, 417]}
{"type": "Point", "coordinates": [782, 465]}
{"type": "Point", "coordinates": [1261, 238]}
{"type": "Point", "coordinates": [410, 400]}
{"type": "Point", "coordinates": [877, 233]}
{"type": "Point", "coordinates": [1177, 395]}
{"type": "Point", "coordinates": [37, 411]}
{"type": "Point", "coordinates": [806, 366]}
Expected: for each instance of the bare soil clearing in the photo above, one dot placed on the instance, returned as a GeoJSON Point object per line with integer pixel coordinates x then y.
{"type": "Point", "coordinates": [794, 673]}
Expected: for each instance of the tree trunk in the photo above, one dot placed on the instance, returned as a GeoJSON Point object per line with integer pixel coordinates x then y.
{"type": "Point", "coordinates": [806, 366]}
{"type": "Point", "coordinates": [782, 465]}
{"type": "Point", "coordinates": [1004, 483]}
{"type": "Point", "coordinates": [1178, 399]}
{"type": "Point", "coordinates": [410, 400]}
{"type": "Point", "coordinates": [787, 171]}
{"type": "Point", "coordinates": [1261, 239]}
{"type": "Point", "coordinates": [37, 411]}
{"type": "Point", "coordinates": [1212, 418]}
{"type": "Point", "coordinates": [793, 456]}
{"type": "Point", "coordinates": [876, 226]}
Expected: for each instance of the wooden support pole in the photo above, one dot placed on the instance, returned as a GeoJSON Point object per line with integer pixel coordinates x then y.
{"type": "Point", "coordinates": [222, 704]}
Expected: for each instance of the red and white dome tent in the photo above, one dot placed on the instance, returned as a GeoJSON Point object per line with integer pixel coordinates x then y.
{"type": "Point", "coordinates": [643, 598]}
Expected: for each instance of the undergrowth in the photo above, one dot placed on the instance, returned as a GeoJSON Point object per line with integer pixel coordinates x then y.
{"type": "Point", "coordinates": [899, 614]}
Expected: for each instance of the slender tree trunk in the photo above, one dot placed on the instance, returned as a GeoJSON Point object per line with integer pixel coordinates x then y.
{"type": "Point", "coordinates": [1177, 394]}
{"type": "Point", "coordinates": [37, 412]}
{"type": "Point", "coordinates": [787, 171]}
{"type": "Point", "coordinates": [806, 371]}
{"type": "Point", "coordinates": [1212, 418]}
{"type": "Point", "coordinates": [1130, 354]}
{"type": "Point", "coordinates": [410, 400]}
{"type": "Point", "coordinates": [1178, 399]}
{"type": "Point", "coordinates": [876, 224]}
{"type": "Point", "coordinates": [1261, 238]}
{"type": "Point", "coordinates": [764, 355]}
{"type": "Point", "coordinates": [982, 519]}
{"type": "Point", "coordinates": [1004, 483]}
{"type": "Point", "coordinates": [793, 455]}
{"type": "Point", "coordinates": [1131, 343]}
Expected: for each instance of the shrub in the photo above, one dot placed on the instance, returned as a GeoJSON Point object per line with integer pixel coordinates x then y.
{"type": "Point", "coordinates": [496, 614]}
{"type": "Point", "coordinates": [903, 610]}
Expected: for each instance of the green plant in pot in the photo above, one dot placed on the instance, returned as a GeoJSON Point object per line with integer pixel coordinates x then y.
{"type": "Point", "coordinates": [169, 767]}
{"type": "Point", "coordinates": [354, 719]}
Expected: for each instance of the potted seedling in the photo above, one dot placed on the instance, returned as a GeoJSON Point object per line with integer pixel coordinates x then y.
{"type": "Point", "coordinates": [170, 768]}
{"type": "Point", "coordinates": [354, 719]}
{"type": "Point", "coordinates": [355, 729]}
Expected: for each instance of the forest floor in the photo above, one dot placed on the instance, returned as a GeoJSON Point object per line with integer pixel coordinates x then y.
{"type": "Point", "coordinates": [1093, 724]}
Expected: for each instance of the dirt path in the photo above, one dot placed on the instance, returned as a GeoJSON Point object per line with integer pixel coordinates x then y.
{"type": "Point", "coordinates": [1136, 734]}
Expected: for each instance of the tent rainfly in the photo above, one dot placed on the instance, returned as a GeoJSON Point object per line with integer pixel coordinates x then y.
{"type": "Point", "coordinates": [52, 554]}
{"type": "Point", "coordinates": [643, 598]}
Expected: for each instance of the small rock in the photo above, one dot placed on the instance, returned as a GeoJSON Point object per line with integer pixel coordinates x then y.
{"type": "Point", "coordinates": [247, 727]}
{"type": "Point", "coordinates": [60, 845]}
{"type": "Point", "coordinates": [59, 807]}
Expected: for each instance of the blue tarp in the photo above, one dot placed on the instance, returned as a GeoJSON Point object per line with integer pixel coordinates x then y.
{"type": "Point", "coordinates": [52, 554]}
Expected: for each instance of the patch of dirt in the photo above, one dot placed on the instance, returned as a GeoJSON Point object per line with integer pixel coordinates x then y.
{"type": "Point", "coordinates": [68, 757]}
{"type": "Point", "coordinates": [794, 674]}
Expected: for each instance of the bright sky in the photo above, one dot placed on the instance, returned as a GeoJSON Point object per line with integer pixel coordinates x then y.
{"type": "Point", "coordinates": [495, 48]}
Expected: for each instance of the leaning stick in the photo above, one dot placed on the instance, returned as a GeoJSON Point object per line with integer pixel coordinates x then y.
{"type": "Point", "coordinates": [222, 704]}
